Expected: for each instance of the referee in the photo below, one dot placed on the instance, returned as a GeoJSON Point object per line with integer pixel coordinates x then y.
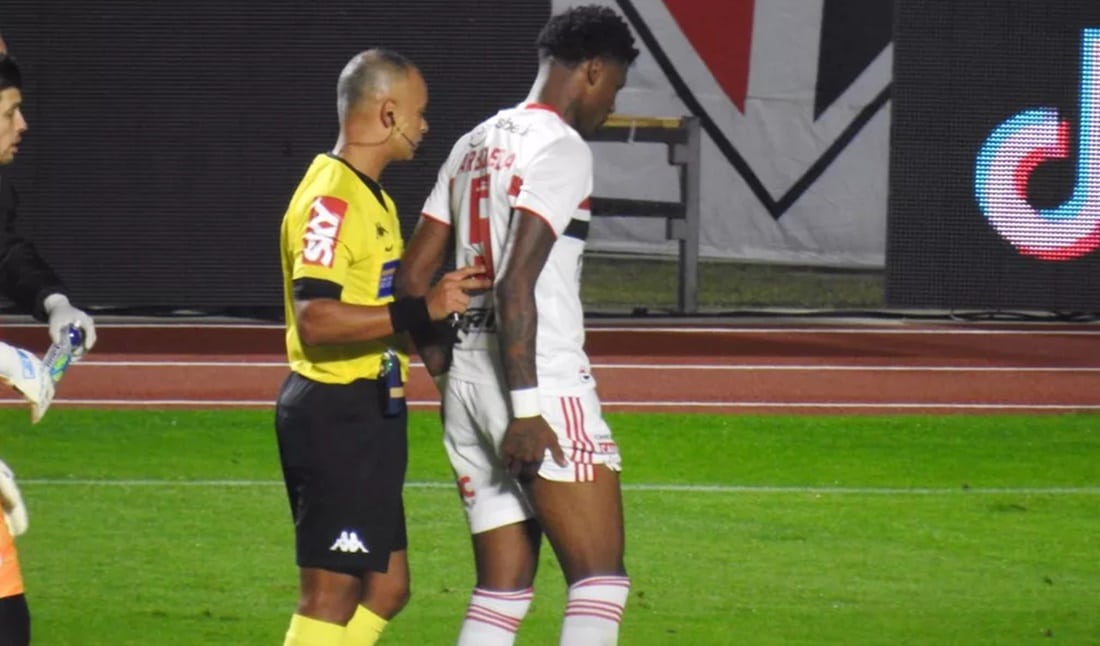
{"type": "Point", "coordinates": [340, 416]}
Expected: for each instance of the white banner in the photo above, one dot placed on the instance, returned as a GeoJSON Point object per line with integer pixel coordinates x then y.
{"type": "Point", "coordinates": [794, 100]}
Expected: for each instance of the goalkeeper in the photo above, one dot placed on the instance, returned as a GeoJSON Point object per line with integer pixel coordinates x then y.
{"type": "Point", "coordinates": [32, 286]}
{"type": "Point", "coordinates": [25, 278]}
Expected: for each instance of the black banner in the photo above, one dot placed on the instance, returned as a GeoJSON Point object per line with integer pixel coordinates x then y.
{"type": "Point", "coordinates": [166, 138]}
{"type": "Point", "coordinates": [995, 161]}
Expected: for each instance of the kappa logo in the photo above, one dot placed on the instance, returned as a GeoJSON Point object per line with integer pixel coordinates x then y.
{"type": "Point", "coordinates": [381, 232]}
{"type": "Point", "coordinates": [326, 217]}
{"type": "Point", "coordinates": [349, 542]}
{"type": "Point", "coordinates": [738, 64]}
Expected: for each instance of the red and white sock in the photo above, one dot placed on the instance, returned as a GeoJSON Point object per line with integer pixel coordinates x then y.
{"type": "Point", "coordinates": [493, 617]}
{"type": "Point", "coordinates": [594, 611]}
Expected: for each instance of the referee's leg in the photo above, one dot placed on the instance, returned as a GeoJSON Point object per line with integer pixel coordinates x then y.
{"type": "Point", "coordinates": [348, 525]}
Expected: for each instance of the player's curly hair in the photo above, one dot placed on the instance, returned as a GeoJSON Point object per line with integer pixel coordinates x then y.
{"type": "Point", "coordinates": [10, 75]}
{"type": "Point", "coordinates": [584, 33]}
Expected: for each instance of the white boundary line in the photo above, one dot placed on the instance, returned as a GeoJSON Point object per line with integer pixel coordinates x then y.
{"type": "Point", "coordinates": [686, 488]}
{"type": "Point", "coordinates": [250, 403]}
{"type": "Point", "coordinates": [793, 329]}
{"type": "Point", "coordinates": [847, 330]}
{"type": "Point", "coordinates": [773, 367]}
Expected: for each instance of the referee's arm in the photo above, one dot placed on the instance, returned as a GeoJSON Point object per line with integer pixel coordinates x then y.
{"type": "Point", "coordinates": [322, 318]}
{"type": "Point", "coordinates": [422, 260]}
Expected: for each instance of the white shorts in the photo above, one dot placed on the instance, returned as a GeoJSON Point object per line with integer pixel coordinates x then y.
{"type": "Point", "coordinates": [475, 417]}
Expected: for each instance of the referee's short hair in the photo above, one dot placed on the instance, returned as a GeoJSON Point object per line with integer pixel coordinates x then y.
{"type": "Point", "coordinates": [368, 73]}
{"type": "Point", "coordinates": [9, 73]}
{"type": "Point", "coordinates": [583, 33]}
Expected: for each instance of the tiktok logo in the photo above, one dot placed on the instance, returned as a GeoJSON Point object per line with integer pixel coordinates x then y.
{"type": "Point", "coordinates": [1016, 147]}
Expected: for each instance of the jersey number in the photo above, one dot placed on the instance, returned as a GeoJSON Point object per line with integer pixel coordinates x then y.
{"type": "Point", "coordinates": [480, 238]}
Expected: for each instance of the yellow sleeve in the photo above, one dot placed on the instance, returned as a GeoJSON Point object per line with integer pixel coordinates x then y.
{"type": "Point", "coordinates": [322, 251]}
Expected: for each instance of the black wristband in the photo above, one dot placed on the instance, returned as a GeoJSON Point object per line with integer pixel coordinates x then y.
{"type": "Point", "coordinates": [438, 333]}
{"type": "Point", "coordinates": [409, 314]}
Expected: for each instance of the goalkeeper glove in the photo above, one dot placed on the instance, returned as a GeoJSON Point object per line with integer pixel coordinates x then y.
{"type": "Point", "coordinates": [15, 512]}
{"type": "Point", "coordinates": [62, 314]}
{"type": "Point", "coordinates": [25, 373]}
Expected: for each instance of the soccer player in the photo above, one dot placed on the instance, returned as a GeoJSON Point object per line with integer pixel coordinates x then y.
{"type": "Point", "coordinates": [522, 423]}
{"type": "Point", "coordinates": [340, 415]}
{"type": "Point", "coordinates": [25, 278]}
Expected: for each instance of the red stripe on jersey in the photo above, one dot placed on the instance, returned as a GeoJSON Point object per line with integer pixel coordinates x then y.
{"type": "Point", "coordinates": [541, 106]}
{"type": "Point", "coordinates": [585, 206]}
{"type": "Point", "coordinates": [434, 218]}
{"type": "Point", "coordinates": [515, 186]}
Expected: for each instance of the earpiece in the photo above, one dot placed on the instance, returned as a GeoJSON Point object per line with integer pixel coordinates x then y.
{"type": "Point", "coordinates": [393, 122]}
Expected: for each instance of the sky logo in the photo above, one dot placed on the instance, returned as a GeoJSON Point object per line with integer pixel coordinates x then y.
{"type": "Point", "coordinates": [1013, 151]}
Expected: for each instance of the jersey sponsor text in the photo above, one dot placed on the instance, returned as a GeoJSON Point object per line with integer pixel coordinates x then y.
{"type": "Point", "coordinates": [326, 216]}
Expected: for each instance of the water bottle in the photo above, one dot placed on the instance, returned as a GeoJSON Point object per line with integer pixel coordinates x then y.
{"type": "Point", "coordinates": [61, 353]}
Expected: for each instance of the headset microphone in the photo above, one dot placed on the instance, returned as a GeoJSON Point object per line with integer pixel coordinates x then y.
{"type": "Point", "coordinates": [394, 126]}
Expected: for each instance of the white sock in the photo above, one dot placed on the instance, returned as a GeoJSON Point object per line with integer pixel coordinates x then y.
{"type": "Point", "coordinates": [594, 611]}
{"type": "Point", "coordinates": [493, 617]}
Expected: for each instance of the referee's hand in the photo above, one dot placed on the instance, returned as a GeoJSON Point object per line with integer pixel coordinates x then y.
{"type": "Point", "coordinates": [451, 293]}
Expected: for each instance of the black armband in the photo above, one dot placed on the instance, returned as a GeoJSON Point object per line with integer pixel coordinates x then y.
{"type": "Point", "coordinates": [409, 314]}
{"type": "Point", "coordinates": [439, 333]}
{"type": "Point", "coordinates": [306, 289]}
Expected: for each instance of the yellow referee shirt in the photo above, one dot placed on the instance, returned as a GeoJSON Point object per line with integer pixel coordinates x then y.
{"type": "Point", "coordinates": [340, 239]}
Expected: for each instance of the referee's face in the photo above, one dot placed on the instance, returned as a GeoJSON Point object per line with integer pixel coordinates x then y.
{"type": "Point", "coordinates": [12, 123]}
{"type": "Point", "coordinates": [410, 96]}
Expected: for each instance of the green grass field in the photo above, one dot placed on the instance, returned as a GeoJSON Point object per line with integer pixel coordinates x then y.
{"type": "Point", "coordinates": [172, 528]}
{"type": "Point", "coordinates": [623, 283]}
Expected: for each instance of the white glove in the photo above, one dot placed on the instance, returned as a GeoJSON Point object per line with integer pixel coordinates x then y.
{"type": "Point", "coordinates": [62, 314]}
{"type": "Point", "coordinates": [15, 512]}
{"type": "Point", "coordinates": [24, 372]}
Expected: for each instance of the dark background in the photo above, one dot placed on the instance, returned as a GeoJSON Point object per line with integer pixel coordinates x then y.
{"type": "Point", "coordinates": [962, 68]}
{"type": "Point", "coordinates": [167, 137]}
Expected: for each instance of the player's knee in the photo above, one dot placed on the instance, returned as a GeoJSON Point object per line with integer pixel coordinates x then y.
{"type": "Point", "coordinates": [592, 564]}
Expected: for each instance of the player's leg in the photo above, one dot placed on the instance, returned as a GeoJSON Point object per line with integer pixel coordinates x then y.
{"type": "Point", "coordinates": [580, 509]}
{"type": "Point", "coordinates": [505, 539]}
{"type": "Point", "coordinates": [15, 620]}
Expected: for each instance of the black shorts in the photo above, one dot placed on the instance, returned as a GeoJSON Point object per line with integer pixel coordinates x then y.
{"type": "Point", "coordinates": [15, 621]}
{"type": "Point", "coordinates": [344, 467]}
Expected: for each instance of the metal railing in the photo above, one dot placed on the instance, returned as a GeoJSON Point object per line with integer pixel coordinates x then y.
{"type": "Point", "coordinates": [682, 135]}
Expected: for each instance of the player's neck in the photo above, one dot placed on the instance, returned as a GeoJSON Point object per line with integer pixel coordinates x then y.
{"type": "Point", "coordinates": [552, 87]}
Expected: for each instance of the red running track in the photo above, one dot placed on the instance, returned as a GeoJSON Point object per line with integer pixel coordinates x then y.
{"type": "Point", "coordinates": [805, 368]}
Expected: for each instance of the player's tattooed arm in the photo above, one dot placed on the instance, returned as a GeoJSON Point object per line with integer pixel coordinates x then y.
{"type": "Point", "coordinates": [517, 312]}
{"type": "Point", "coordinates": [527, 439]}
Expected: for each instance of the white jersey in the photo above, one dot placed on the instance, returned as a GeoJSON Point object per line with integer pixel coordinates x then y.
{"type": "Point", "coordinates": [524, 157]}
